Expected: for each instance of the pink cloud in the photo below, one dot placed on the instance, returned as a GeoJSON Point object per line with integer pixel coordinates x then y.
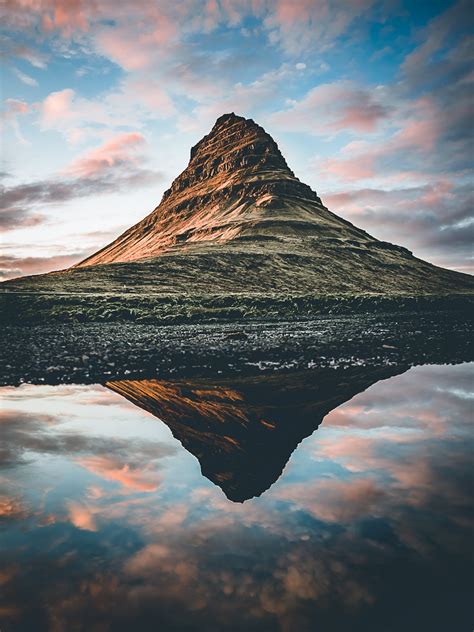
{"type": "Point", "coordinates": [117, 151]}
{"type": "Point", "coordinates": [57, 105]}
{"type": "Point", "coordinates": [15, 107]}
{"type": "Point", "coordinates": [334, 107]}
{"type": "Point", "coordinates": [421, 129]}
{"type": "Point", "coordinates": [129, 53]}
{"type": "Point", "coordinates": [361, 118]}
{"type": "Point", "coordinates": [67, 15]}
{"type": "Point", "coordinates": [133, 102]}
{"type": "Point", "coordinates": [144, 34]}
{"type": "Point", "coordinates": [81, 516]}
{"type": "Point", "coordinates": [417, 131]}
{"type": "Point", "coordinates": [144, 479]}
{"type": "Point", "coordinates": [351, 168]}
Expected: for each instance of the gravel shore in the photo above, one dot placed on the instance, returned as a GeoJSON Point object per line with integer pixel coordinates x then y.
{"type": "Point", "coordinates": [93, 352]}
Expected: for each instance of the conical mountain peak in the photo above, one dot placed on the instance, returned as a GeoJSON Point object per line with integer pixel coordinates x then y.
{"type": "Point", "coordinates": [235, 146]}
{"type": "Point", "coordinates": [231, 132]}
{"type": "Point", "coordinates": [237, 185]}
{"type": "Point", "coordinates": [237, 219]}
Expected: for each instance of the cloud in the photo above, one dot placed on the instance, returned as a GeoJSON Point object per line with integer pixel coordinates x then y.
{"type": "Point", "coordinates": [244, 98]}
{"type": "Point", "coordinates": [301, 25]}
{"type": "Point", "coordinates": [149, 92]}
{"type": "Point", "coordinates": [10, 48]}
{"type": "Point", "coordinates": [136, 35]}
{"type": "Point", "coordinates": [138, 44]}
{"type": "Point", "coordinates": [131, 104]}
{"type": "Point", "coordinates": [115, 165]}
{"type": "Point", "coordinates": [434, 220]}
{"type": "Point", "coordinates": [24, 434]}
{"type": "Point", "coordinates": [81, 516]}
{"type": "Point", "coordinates": [330, 108]}
{"type": "Point", "coordinates": [57, 105]}
{"type": "Point", "coordinates": [13, 108]}
{"type": "Point", "coordinates": [336, 500]}
{"type": "Point", "coordinates": [66, 16]}
{"type": "Point", "coordinates": [441, 40]}
{"type": "Point", "coordinates": [26, 79]}
{"type": "Point", "coordinates": [141, 477]}
{"type": "Point", "coordinates": [76, 117]}
{"type": "Point", "coordinates": [12, 266]}
{"type": "Point", "coordinates": [116, 153]}
{"type": "Point", "coordinates": [11, 509]}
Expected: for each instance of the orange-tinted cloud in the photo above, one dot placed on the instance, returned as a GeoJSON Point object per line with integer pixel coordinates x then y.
{"type": "Point", "coordinates": [81, 516]}
{"type": "Point", "coordinates": [11, 509]}
{"type": "Point", "coordinates": [12, 266]}
{"type": "Point", "coordinates": [144, 479]}
{"type": "Point", "coordinates": [115, 152]}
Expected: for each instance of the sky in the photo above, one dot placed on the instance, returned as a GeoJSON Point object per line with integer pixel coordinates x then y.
{"type": "Point", "coordinates": [370, 103]}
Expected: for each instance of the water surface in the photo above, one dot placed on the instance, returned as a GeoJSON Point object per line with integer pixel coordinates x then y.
{"type": "Point", "coordinates": [323, 506]}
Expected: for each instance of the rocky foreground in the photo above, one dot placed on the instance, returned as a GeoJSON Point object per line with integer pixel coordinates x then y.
{"type": "Point", "coordinates": [90, 353]}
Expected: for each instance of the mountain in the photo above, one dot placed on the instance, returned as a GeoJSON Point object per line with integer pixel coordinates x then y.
{"type": "Point", "coordinates": [239, 207]}
{"type": "Point", "coordinates": [243, 431]}
{"type": "Point", "coordinates": [238, 191]}
{"type": "Point", "coordinates": [236, 225]}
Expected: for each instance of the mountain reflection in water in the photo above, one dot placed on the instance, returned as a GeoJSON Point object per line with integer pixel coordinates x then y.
{"type": "Point", "coordinates": [243, 431]}
{"type": "Point", "coordinates": [106, 523]}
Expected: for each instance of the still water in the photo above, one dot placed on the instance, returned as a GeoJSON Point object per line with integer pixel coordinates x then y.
{"type": "Point", "coordinates": [321, 501]}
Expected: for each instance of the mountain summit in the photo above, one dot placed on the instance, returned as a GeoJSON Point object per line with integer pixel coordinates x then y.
{"type": "Point", "coordinates": [237, 186]}
{"type": "Point", "coordinates": [237, 231]}
{"type": "Point", "coordinates": [240, 208]}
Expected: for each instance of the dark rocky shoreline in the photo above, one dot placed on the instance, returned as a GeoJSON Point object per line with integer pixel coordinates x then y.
{"type": "Point", "coordinates": [99, 352]}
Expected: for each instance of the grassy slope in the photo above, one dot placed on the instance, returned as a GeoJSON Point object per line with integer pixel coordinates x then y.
{"type": "Point", "coordinates": [238, 280]}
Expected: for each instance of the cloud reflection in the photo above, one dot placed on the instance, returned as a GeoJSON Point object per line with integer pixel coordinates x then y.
{"type": "Point", "coordinates": [367, 515]}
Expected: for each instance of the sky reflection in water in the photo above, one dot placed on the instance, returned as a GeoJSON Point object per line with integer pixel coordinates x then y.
{"type": "Point", "coordinates": [106, 522]}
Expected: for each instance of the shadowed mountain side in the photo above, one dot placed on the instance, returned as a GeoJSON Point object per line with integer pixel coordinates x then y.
{"type": "Point", "coordinates": [237, 222]}
{"type": "Point", "coordinates": [243, 431]}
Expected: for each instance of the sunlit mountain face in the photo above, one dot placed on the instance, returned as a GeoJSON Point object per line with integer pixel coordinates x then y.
{"type": "Point", "coordinates": [116, 511]}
